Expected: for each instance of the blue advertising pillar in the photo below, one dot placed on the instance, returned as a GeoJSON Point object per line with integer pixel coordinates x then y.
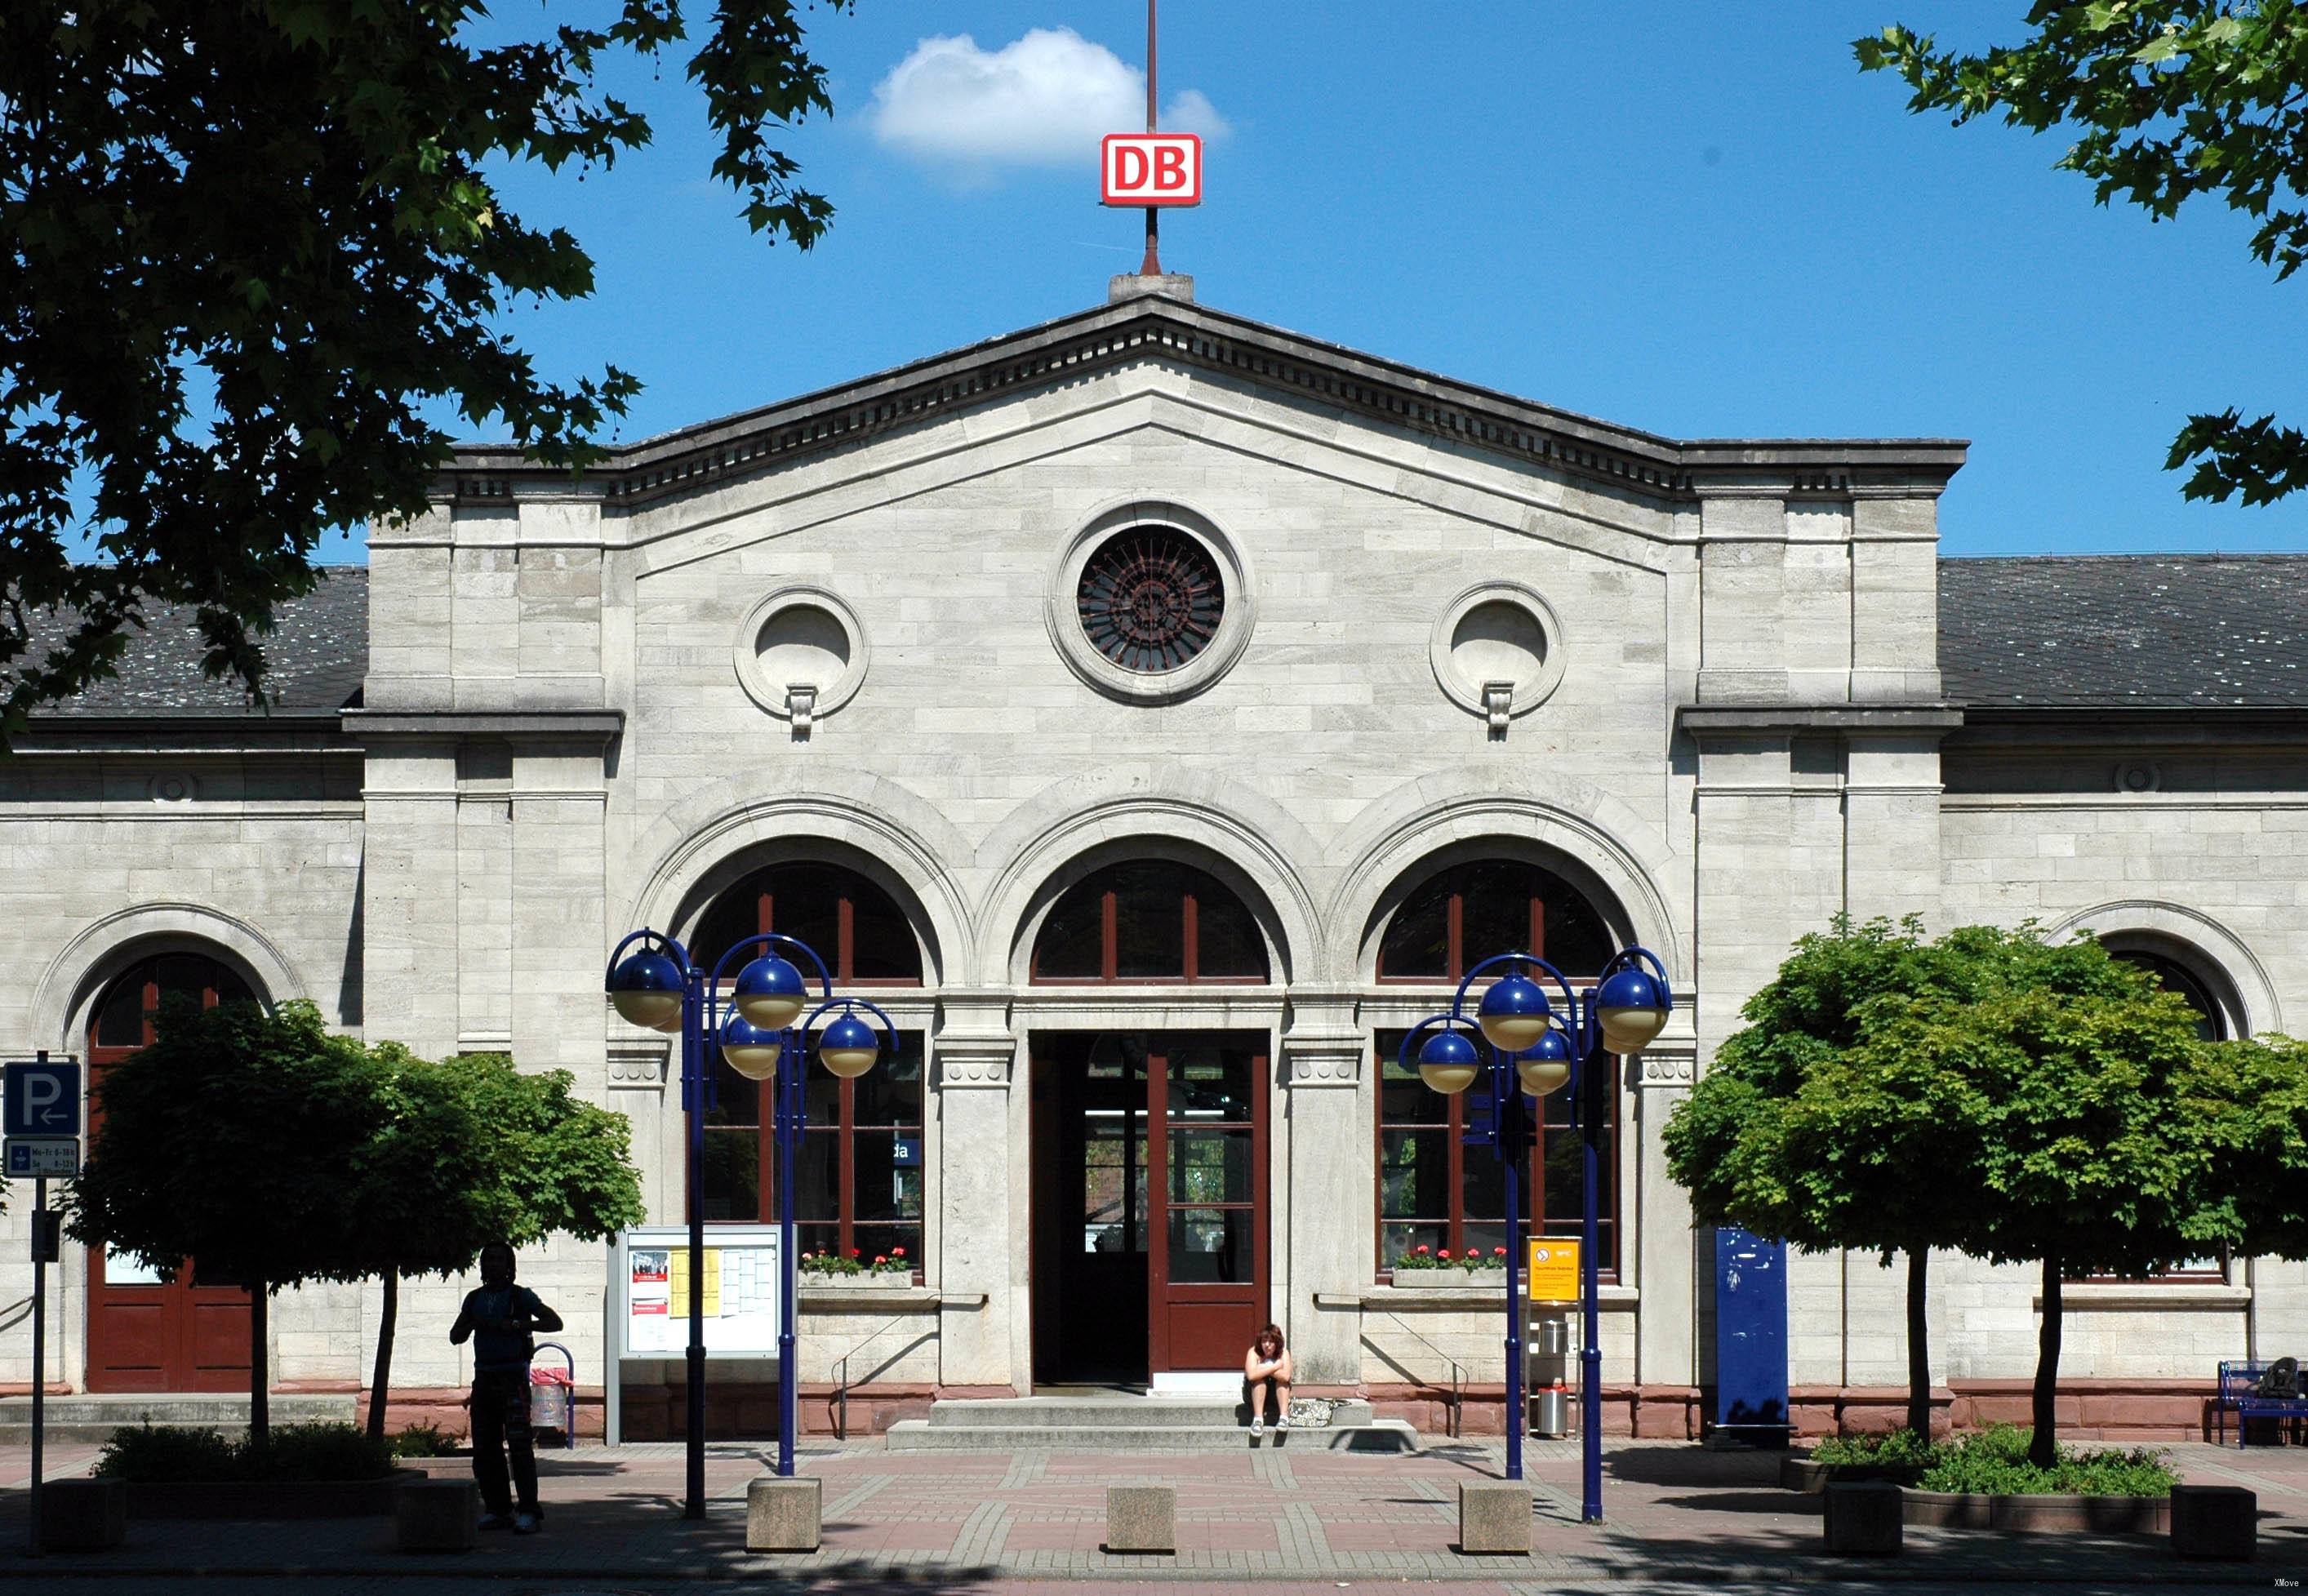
{"type": "Point", "coordinates": [1751, 1337]}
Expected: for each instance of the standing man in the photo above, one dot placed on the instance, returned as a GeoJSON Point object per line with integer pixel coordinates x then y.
{"type": "Point", "coordinates": [500, 1316]}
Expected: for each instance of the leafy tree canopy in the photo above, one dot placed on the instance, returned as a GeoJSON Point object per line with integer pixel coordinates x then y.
{"type": "Point", "coordinates": [245, 243]}
{"type": "Point", "coordinates": [2171, 100]}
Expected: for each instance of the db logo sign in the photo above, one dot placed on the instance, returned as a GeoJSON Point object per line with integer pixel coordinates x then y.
{"type": "Point", "coordinates": [1151, 168]}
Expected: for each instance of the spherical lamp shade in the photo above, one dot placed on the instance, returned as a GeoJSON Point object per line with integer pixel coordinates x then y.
{"type": "Point", "coordinates": [1631, 1006]}
{"type": "Point", "coordinates": [1514, 1013]}
{"type": "Point", "coordinates": [848, 1046]}
{"type": "Point", "coordinates": [1547, 1066]}
{"type": "Point", "coordinates": [769, 993]}
{"type": "Point", "coordinates": [752, 1051]}
{"type": "Point", "coordinates": [1448, 1062]}
{"type": "Point", "coordinates": [646, 988]}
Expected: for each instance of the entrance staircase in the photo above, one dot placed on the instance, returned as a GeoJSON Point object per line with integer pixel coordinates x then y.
{"type": "Point", "coordinates": [1121, 1421]}
{"type": "Point", "coordinates": [87, 1417]}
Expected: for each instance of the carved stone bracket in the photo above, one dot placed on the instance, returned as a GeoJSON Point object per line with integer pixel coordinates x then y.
{"type": "Point", "coordinates": [1665, 1062]}
{"type": "Point", "coordinates": [1323, 1046]}
{"type": "Point", "coordinates": [639, 1061]}
{"type": "Point", "coordinates": [974, 1045]}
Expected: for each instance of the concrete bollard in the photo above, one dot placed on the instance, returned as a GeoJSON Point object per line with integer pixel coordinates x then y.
{"type": "Point", "coordinates": [1864, 1518]}
{"type": "Point", "coordinates": [83, 1515]}
{"type": "Point", "coordinates": [1495, 1516]}
{"type": "Point", "coordinates": [784, 1515]}
{"type": "Point", "coordinates": [1142, 1518]}
{"type": "Point", "coordinates": [436, 1515]}
{"type": "Point", "coordinates": [2215, 1522]}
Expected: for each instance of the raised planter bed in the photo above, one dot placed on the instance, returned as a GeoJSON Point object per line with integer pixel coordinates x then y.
{"type": "Point", "coordinates": [266, 1498]}
{"type": "Point", "coordinates": [871, 1280]}
{"type": "Point", "coordinates": [1451, 1279]}
{"type": "Point", "coordinates": [1812, 1479]}
{"type": "Point", "coordinates": [2134, 1516]}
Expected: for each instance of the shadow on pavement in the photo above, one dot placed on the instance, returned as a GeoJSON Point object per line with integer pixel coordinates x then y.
{"type": "Point", "coordinates": [1690, 1465]}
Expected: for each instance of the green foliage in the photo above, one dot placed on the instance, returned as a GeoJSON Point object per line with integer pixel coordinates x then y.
{"type": "Point", "coordinates": [1894, 1449]}
{"type": "Point", "coordinates": [229, 1140]}
{"type": "Point", "coordinates": [2169, 101]}
{"type": "Point", "coordinates": [1993, 1461]}
{"type": "Point", "coordinates": [551, 1164]}
{"type": "Point", "coordinates": [246, 245]}
{"type": "Point", "coordinates": [423, 1440]}
{"type": "Point", "coordinates": [153, 1454]}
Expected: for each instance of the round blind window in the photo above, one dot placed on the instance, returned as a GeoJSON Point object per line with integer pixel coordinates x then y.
{"type": "Point", "coordinates": [1151, 599]}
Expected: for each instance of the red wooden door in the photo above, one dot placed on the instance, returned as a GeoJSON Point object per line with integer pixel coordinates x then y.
{"type": "Point", "coordinates": [1207, 1210]}
{"type": "Point", "coordinates": [146, 1331]}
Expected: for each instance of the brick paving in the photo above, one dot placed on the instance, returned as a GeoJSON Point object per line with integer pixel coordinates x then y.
{"type": "Point", "coordinates": [1678, 1515]}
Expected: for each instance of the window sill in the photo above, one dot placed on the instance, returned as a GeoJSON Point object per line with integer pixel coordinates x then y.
{"type": "Point", "coordinates": [1610, 1297]}
{"type": "Point", "coordinates": [844, 1298]}
{"type": "Point", "coordinates": [2150, 1294]}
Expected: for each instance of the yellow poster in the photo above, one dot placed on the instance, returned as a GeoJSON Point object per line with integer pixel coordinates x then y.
{"type": "Point", "coordinates": [1553, 1269]}
{"type": "Point", "coordinates": [678, 1281]}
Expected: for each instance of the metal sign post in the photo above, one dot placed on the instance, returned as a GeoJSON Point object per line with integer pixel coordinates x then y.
{"type": "Point", "coordinates": [39, 1110]}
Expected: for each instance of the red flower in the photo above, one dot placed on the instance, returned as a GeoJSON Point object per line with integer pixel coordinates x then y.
{"type": "Point", "coordinates": [853, 1252]}
{"type": "Point", "coordinates": [1443, 1253]}
{"type": "Point", "coordinates": [1422, 1249]}
{"type": "Point", "coordinates": [1499, 1252]}
{"type": "Point", "coordinates": [897, 1252]}
{"type": "Point", "coordinates": [879, 1259]}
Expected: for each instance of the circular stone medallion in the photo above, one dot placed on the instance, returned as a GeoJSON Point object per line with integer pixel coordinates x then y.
{"type": "Point", "coordinates": [1151, 599]}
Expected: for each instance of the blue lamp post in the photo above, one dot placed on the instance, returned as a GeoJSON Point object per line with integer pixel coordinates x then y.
{"type": "Point", "coordinates": [1534, 1049]}
{"type": "Point", "coordinates": [659, 985]}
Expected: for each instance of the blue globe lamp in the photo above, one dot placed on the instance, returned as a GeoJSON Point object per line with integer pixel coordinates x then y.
{"type": "Point", "coordinates": [1448, 1062]}
{"type": "Point", "coordinates": [1630, 1007]}
{"type": "Point", "coordinates": [1514, 1013]}
{"type": "Point", "coordinates": [749, 1049]}
{"type": "Point", "coordinates": [1544, 1065]}
{"type": "Point", "coordinates": [769, 993]}
{"type": "Point", "coordinates": [848, 1046]}
{"type": "Point", "coordinates": [646, 989]}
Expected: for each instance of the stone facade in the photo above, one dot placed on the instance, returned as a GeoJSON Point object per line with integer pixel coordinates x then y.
{"type": "Point", "coordinates": [1732, 725]}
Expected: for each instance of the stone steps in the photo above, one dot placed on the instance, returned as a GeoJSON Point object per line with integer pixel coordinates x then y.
{"type": "Point", "coordinates": [91, 1418]}
{"type": "Point", "coordinates": [1124, 1423]}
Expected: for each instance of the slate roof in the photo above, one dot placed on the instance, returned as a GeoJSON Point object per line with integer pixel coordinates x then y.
{"type": "Point", "coordinates": [317, 653]}
{"type": "Point", "coordinates": [2126, 631]}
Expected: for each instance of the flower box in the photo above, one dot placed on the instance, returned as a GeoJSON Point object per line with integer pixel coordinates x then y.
{"type": "Point", "coordinates": [1451, 1279]}
{"type": "Point", "coordinates": [869, 1279]}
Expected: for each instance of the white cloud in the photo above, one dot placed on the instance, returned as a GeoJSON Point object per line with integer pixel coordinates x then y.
{"type": "Point", "coordinates": [1043, 101]}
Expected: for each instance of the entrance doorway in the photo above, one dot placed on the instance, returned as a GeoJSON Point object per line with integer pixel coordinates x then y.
{"type": "Point", "coordinates": [151, 1330]}
{"type": "Point", "coordinates": [1150, 1202]}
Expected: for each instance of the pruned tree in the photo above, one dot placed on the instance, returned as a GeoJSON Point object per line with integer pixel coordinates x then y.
{"type": "Point", "coordinates": [248, 245]}
{"type": "Point", "coordinates": [228, 1140]}
{"type": "Point", "coordinates": [2170, 101]}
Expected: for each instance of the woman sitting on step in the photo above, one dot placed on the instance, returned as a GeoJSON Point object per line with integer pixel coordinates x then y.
{"type": "Point", "coordinates": [1266, 1378]}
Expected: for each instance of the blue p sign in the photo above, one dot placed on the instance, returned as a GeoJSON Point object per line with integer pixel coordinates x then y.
{"type": "Point", "coordinates": [40, 1100]}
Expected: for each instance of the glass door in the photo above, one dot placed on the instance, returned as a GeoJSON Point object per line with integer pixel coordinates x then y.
{"type": "Point", "coordinates": [1206, 1092]}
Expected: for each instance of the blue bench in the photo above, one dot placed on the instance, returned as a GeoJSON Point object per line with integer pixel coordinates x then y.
{"type": "Point", "coordinates": [2239, 1392]}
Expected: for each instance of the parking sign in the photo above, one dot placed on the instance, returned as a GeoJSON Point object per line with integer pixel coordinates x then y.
{"type": "Point", "coordinates": [40, 1099]}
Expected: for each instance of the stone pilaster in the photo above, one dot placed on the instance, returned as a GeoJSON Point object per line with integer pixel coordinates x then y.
{"type": "Point", "coordinates": [984, 1231]}
{"type": "Point", "coordinates": [1327, 1188]}
{"type": "Point", "coordinates": [1663, 1265]}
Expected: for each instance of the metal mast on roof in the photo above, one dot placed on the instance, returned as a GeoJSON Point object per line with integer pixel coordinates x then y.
{"type": "Point", "coordinates": [1152, 266]}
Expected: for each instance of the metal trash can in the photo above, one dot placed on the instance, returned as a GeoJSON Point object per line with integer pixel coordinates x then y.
{"type": "Point", "coordinates": [553, 1397]}
{"type": "Point", "coordinates": [1550, 1413]}
{"type": "Point", "coordinates": [1554, 1338]}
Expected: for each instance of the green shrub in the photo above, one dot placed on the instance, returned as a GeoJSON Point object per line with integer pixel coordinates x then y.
{"type": "Point", "coordinates": [150, 1454]}
{"type": "Point", "coordinates": [1994, 1462]}
{"type": "Point", "coordinates": [1898, 1449]}
{"type": "Point", "coordinates": [423, 1440]}
{"type": "Point", "coordinates": [142, 1452]}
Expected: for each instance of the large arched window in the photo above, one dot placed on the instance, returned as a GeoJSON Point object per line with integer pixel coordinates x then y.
{"type": "Point", "coordinates": [1149, 920]}
{"type": "Point", "coordinates": [858, 1183]}
{"type": "Point", "coordinates": [1464, 913]}
{"type": "Point", "coordinates": [2174, 977]}
{"type": "Point", "coordinates": [858, 929]}
{"type": "Point", "coordinates": [123, 1019]}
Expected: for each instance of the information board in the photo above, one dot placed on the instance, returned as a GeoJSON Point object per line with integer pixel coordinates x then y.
{"type": "Point", "coordinates": [1553, 1269]}
{"type": "Point", "coordinates": [650, 1291]}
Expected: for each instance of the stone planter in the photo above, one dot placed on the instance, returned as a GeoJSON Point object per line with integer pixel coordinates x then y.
{"type": "Point", "coordinates": [1451, 1279]}
{"type": "Point", "coordinates": [1802, 1474]}
{"type": "Point", "coordinates": [2137, 1515]}
{"type": "Point", "coordinates": [267, 1498]}
{"type": "Point", "coordinates": [871, 1280]}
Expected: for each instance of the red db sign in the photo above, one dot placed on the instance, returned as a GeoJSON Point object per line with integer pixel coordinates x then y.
{"type": "Point", "coordinates": [1151, 168]}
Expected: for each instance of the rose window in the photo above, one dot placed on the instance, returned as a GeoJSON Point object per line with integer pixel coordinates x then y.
{"type": "Point", "coordinates": [1150, 599]}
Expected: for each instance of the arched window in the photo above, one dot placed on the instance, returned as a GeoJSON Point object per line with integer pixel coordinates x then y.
{"type": "Point", "coordinates": [2175, 977]}
{"type": "Point", "coordinates": [123, 1019]}
{"type": "Point", "coordinates": [858, 929]}
{"type": "Point", "coordinates": [1465, 913]}
{"type": "Point", "coordinates": [1149, 920]}
{"type": "Point", "coordinates": [858, 1183]}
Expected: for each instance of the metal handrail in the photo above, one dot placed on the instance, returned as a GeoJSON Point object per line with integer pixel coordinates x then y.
{"type": "Point", "coordinates": [1458, 1373]}
{"type": "Point", "coordinates": [841, 1375]}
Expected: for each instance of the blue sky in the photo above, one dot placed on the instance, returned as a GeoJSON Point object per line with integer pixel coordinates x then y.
{"type": "Point", "coordinates": [1700, 220]}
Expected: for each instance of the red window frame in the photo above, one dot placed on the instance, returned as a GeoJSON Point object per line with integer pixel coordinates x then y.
{"type": "Point", "coordinates": [1109, 940]}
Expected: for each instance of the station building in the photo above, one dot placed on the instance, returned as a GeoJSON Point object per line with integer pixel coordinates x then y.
{"type": "Point", "coordinates": [1155, 712]}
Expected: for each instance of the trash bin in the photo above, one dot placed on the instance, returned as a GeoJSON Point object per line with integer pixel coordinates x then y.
{"type": "Point", "coordinates": [1554, 1338]}
{"type": "Point", "coordinates": [1550, 1410]}
{"type": "Point", "coordinates": [553, 1398]}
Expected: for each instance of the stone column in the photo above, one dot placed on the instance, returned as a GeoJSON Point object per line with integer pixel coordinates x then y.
{"type": "Point", "coordinates": [1656, 1241]}
{"type": "Point", "coordinates": [1328, 1188]}
{"type": "Point", "coordinates": [984, 1240]}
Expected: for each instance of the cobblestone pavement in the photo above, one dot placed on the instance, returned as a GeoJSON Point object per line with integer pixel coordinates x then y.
{"type": "Point", "coordinates": [1679, 1517]}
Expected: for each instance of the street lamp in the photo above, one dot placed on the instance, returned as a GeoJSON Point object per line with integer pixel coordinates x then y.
{"type": "Point", "coordinates": [1536, 1048]}
{"type": "Point", "coordinates": [763, 1035]}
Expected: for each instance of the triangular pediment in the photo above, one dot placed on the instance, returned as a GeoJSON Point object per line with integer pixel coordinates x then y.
{"type": "Point", "coordinates": [1152, 327]}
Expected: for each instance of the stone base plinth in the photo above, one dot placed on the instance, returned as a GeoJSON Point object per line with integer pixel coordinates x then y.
{"type": "Point", "coordinates": [1863, 1519]}
{"type": "Point", "coordinates": [1495, 1516]}
{"type": "Point", "coordinates": [1142, 1518]}
{"type": "Point", "coordinates": [782, 1515]}
{"type": "Point", "coordinates": [83, 1515]}
{"type": "Point", "coordinates": [436, 1515]}
{"type": "Point", "coordinates": [2217, 1522]}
